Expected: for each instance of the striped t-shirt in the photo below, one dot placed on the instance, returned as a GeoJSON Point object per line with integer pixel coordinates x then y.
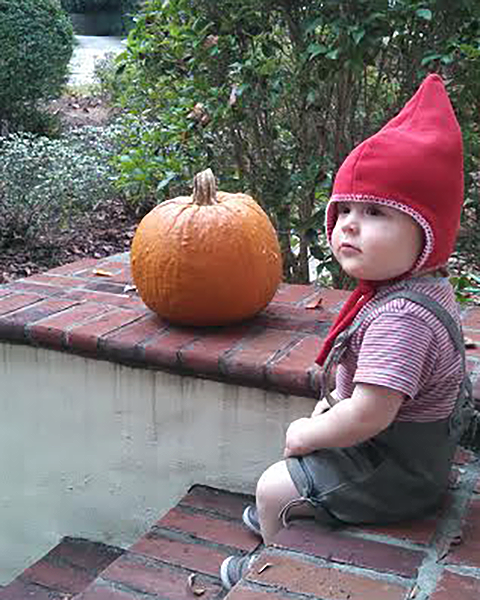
{"type": "Point", "coordinates": [404, 347]}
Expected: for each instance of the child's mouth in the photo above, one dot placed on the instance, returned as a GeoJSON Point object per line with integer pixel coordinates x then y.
{"type": "Point", "coordinates": [349, 249]}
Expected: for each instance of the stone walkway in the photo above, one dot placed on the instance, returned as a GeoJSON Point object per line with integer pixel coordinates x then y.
{"type": "Point", "coordinates": [89, 49]}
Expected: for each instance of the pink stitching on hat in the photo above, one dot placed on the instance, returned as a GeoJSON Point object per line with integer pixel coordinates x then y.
{"type": "Point", "coordinates": [424, 224]}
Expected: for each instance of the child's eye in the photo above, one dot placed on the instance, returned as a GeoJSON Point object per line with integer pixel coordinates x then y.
{"type": "Point", "coordinates": [373, 211]}
{"type": "Point", "coordinates": [343, 209]}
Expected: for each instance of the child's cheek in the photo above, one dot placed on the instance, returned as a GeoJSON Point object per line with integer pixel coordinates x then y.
{"type": "Point", "coordinates": [335, 236]}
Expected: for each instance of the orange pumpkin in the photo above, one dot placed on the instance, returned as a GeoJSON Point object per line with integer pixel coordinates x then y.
{"type": "Point", "coordinates": [208, 259]}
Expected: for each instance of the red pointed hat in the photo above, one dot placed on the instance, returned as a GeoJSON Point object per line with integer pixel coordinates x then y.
{"type": "Point", "coordinates": [415, 164]}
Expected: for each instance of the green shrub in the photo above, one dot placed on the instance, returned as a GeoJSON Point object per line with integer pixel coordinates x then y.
{"type": "Point", "coordinates": [105, 75]}
{"type": "Point", "coordinates": [46, 185]}
{"type": "Point", "coordinates": [273, 96]}
{"type": "Point", "coordinates": [36, 43]}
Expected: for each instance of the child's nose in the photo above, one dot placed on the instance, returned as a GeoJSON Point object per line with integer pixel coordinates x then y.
{"type": "Point", "coordinates": [350, 221]}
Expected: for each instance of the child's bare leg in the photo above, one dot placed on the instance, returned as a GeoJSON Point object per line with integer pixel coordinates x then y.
{"type": "Point", "coordinates": [275, 489]}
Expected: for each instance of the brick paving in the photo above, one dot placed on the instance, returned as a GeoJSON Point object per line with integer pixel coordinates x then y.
{"type": "Point", "coordinates": [65, 571]}
{"type": "Point", "coordinates": [180, 556]}
{"type": "Point", "coordinates": [74, 309]}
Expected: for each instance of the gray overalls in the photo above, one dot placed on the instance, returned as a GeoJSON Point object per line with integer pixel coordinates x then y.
{"type": "Point", "coordinates": [400, 473]}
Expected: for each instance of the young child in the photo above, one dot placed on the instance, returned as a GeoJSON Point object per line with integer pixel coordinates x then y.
{"type": "Point", "coordinates": [379, 447]}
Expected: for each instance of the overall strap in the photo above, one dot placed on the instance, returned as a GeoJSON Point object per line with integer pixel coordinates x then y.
{"type": "Point", "coordinates": [423, 300]}
{"type": "Point", "coordinates": [464, 424]}
{"type": "Point", "coordinates": [437, 309]}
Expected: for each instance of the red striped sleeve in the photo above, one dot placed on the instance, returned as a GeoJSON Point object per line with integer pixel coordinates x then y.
{"type": "Point", "coordinates": [398, 351]}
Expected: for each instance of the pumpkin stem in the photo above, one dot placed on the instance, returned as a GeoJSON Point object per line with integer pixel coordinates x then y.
{"type": "Point", "coordinates": [204, 188]}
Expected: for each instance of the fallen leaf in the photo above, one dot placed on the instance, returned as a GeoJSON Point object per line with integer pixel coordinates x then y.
{"type": "Point", "coordinates": [414, 592]}
{"type": "Point", "coordinates": [315, 302]}
{"type": "Point", "coordinates": [102, 273]}
{"type": "Point", "coordinates": [191, 583]}
{"type": "Point", "coordinates": [264, 567]}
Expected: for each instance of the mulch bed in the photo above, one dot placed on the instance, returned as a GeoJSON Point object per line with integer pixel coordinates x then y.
{"type": "Point", "coordinates": [104, 232]}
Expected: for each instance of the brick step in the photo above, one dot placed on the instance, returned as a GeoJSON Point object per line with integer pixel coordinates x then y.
{"type": "Point", "coordinates": [65, 571]}
{"type": "Point", "coordinates": [180, 557]}
{"type": "Point", "coordinates": [436, 558]}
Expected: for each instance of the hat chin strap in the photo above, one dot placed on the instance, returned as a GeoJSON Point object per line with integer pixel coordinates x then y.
{"type": "Point", "coordinates": [362, 294]}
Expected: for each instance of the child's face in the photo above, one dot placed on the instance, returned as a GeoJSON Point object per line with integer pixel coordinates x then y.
{"type": "Point", "coordinates": [375, 242]}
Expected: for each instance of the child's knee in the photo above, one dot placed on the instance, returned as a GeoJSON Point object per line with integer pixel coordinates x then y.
{"type": "Point", "coordinates": [264, 486]}
{"type": "Point", "coordinates": [274, 484]}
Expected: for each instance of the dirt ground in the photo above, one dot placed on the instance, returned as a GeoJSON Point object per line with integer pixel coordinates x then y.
{"type": "Point", "coordinates": [80, 111]}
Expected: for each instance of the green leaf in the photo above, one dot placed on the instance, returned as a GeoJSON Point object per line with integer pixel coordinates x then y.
{"type": "Point", "coordinates": [447, 59]}
{"type": "Point", "coordinates": [166, 181]}
{"type": "Point", "coordinates": [358, 35]}
{"type": "Point", "coordinates": [312, 94]}
{"type": "Point", "coordinates": [138, 174]}
{"type": "Point", "coordinates": [424, 13]}
{"type": "Point", "coordinates": [460, 283]}
{"type": "Point", "coordinates": [315, 49]}
{"type": "Point", "coordinates": [429, 58]}
{"type": "Point", "coordinates": [333, 54]}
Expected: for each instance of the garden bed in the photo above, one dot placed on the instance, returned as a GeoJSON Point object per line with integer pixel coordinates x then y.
{"type": "Point", "coordinates": [107, 230]}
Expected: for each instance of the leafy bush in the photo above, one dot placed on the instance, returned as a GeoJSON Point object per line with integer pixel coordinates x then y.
{"type": "Point", "coordinates": [36, 42]}
{"type": "Point", "coordinates": [47, 184]}
{"type": "Point", "coordinates": [105, 75]}
{"type": "Point", "coordinates": [273, 95]}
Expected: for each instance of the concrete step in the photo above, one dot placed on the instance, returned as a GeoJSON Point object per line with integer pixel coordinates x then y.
{"type": "Point", "coordinates": [65, 571]}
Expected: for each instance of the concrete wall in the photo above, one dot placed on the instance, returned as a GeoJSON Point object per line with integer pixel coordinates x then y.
{"type": "Point", "coordinates": [95, 449]}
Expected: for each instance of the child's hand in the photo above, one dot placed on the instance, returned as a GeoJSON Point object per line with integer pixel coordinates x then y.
{"type": "Point", "coordinates": [321, 407]}
{"type": "Point", "coordinates": [295, 438]}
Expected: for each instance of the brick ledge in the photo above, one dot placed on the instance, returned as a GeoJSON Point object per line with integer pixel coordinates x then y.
{"type": "Point", "coordinates": [74, 308]}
